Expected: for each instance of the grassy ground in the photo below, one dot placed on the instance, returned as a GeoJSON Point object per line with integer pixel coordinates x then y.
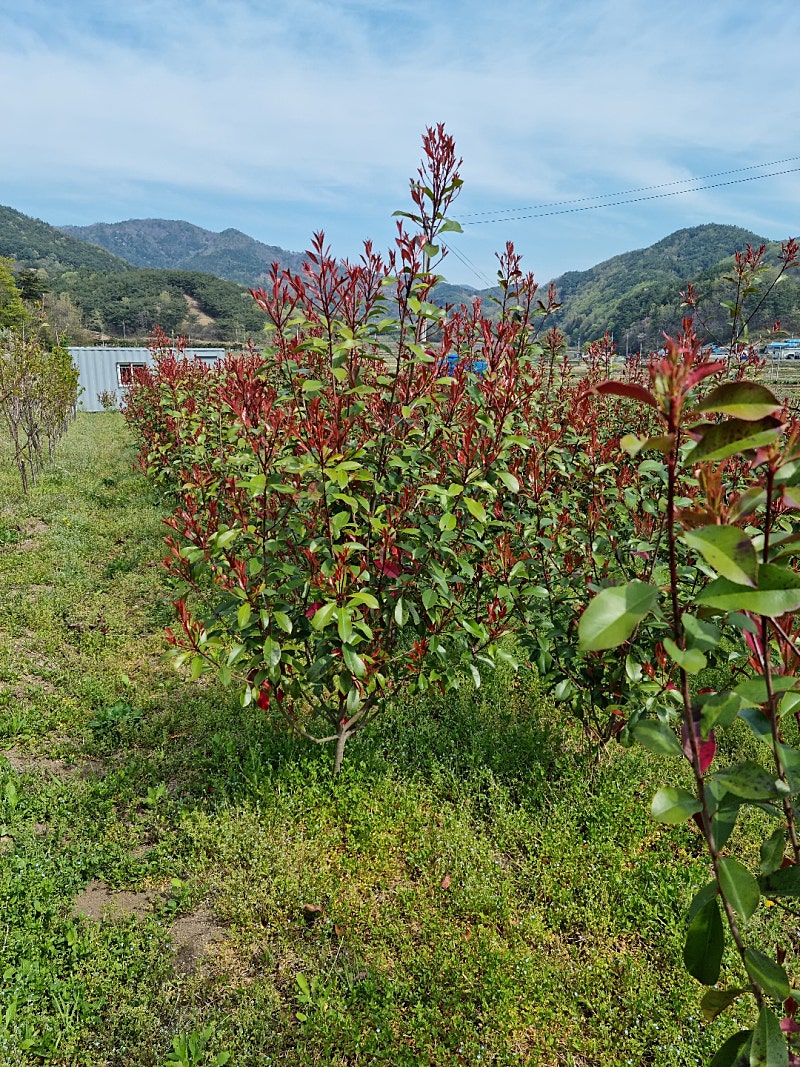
{"type": "Point", "coordinates": [179, 878]}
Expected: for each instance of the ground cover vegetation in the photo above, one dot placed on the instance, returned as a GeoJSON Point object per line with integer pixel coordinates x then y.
{"type": "Point", "coordinates": [477, 885]}
{"type": "Point", "coordinates": [357, 521]}
{"type": "Point", "coordinates": [426, 523]}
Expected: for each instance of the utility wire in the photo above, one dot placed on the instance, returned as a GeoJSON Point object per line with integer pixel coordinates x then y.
{"type": "Point", "coordinates": [645, 189]}
{"type": "Point", "coordinates": [468, 264]}
{"type": "Point", "coordinates": [557, 209]}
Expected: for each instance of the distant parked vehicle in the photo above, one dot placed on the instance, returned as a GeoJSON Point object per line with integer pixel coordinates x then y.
{"type": "Point", "coordinates": [786, 349]}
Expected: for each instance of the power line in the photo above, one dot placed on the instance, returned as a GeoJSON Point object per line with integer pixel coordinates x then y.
{"type": "Point", "coordinates": [556, 208]}
{"type": "Point", "coordinates": [468, 264]}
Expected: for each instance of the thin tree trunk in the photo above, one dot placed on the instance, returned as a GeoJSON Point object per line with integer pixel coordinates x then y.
{"type": "Point", "coordinates": [341, 741]}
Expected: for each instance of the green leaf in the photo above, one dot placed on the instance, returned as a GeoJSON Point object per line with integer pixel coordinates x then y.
{"type": "Point", "coordinates": [475, 508]}
{"type": "Point", "coordinates": [768, 1047]}
{"type": "Point", "coordinates": [716, 1001]}
{"type": "Point", "coordinates": [789, 703]}
{"type": "Point", "coordinates": [705, 943]}
{"type": "Point", "coordinates": [656, 736]}
{"type": "Point", "coordinates": [750, 500]}
{"type": "Point", "coordinates": [353, 702]}
{"type": "Point", "coordinates": [235, 652]}
{"type": "Point", "coordinates": [339, 521]}
{"type": "Point", "coordinates": [767, 973]}
{"type": "Point", "coordinates": [700, 634]}
{"type": "Point", "coordinates": [722, 439]}
{"type": "Point", "coordinates": [758, 722]}
{"type": "Point", "coordinates": [753, 691]}
{"type": "Point", "coordinates": [283, 620]}
{"type": "Point", "coordinates": [723, 822]}
{"type": "Point", "coordinates": [447, 521]}
{"type": "Point", "coordinates": [243, 614]}
{"type": "Point", "coordinates": [771, 852]}
{"type": "Point", "coordinates": [784, 882]}
{"type": "Point", "coordinates": [729, 1054]}
{"type": "Point", "coordinates": [744, 400]}
{"type": "Point", "coordinates": [509, 480]}
{"type": "Point", "coordinates": [633, 669]}
{"type": "Point", "coordinates": [777, 594]}
{"type": "Point", "coordinates": [225, 537]}
{"type": "Point", "coordinates": [271, 652]}
{"type": "Point", "coordinates": [563, 690]}
{"type": "Point", "coordinates": [717, 709]}
{"type": "Point", "coordinates": [748, 780]}
{"type": "Point", "coordinates": [742, 622]}
{"type": "Point", "coordinates": [367, 599]}
{"type": "Point", "coordinates": [429, 598]}
{"type": "Point", "coordinates": [400, 612]}
{"type": "Point", "coordinates": [353, 661]}
{"type": "Point", "coordinates": [344, 624]}
{"type": "Point", "coordinates": [727, 549]}
{"type": "Point", "coordinates": [631, 444]}
{"type": "Point", "coordinates": [790, 759]}
{"type": "Point", "coordinates": [692, 660]}
{"type": "Point", "coordinates": [322, 616]}
{"type": "Point", "coordinates": [738, 886]}
{"type": "Point", "coordinates": [613, 614]}
{"type": "Point", "coordinates": [450, 226]}
{"type": "Point", "coordinates": [701, 898]}
{"type": "Point", "coordinates": [674, 805]}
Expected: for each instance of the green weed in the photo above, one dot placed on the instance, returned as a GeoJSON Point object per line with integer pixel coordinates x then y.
{"type": "Point", "coordinates": [476, 887]}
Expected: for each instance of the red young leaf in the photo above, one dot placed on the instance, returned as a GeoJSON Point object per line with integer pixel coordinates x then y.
{"type": "Point", "coordinates": [629, 390]}
{"type": "Point", "coordinates": [701, 371]}
{"type": "Point", "coordinates": [706, 749]}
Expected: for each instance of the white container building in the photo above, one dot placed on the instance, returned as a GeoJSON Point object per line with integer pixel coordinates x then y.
{"type": "Point", "coordinates": [105, 370]}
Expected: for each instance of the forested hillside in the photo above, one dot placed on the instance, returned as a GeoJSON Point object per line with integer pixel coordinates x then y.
{"type": "Point", "coordinates": [90, 294]}
{"type": "Point", "coordinates": [640, 292]}
{"type": "Point", "coordinates": [37, 245]}
{"type": "Point", "coordinates": [202, 306]}
{"type": "Point", "coordinates": [193, 281]}
{"type": "Point", "coordinates": [167, 245]}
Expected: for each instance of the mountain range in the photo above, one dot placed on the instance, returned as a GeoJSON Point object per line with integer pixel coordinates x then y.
{"type": "Point", "coordinates": [122, 278]}
{"type": "Point", "coordinates": [165, 245]}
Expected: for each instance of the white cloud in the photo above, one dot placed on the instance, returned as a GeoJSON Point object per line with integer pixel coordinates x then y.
{"type": "Point", "coordinates": [305, 106]}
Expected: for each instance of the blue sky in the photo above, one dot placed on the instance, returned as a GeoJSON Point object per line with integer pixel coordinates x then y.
{"type": "Point", "coordinates": [283, 117]}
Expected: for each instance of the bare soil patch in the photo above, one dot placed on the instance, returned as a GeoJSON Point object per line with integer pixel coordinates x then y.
{"type": "Point", "coordinates": [193, 936]}
{"type": "Point", "coordinates": [32, 763]}
{"type": "Point", "coordinates": [97, 902]}
{"type": "Point", "coordinates": [33, 529]}
{"type": "Point", "coordinates": [199, 316]}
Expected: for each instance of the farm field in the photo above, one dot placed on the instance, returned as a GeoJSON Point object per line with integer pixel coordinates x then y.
{"type": "Point", "coordinates": [181, 880]}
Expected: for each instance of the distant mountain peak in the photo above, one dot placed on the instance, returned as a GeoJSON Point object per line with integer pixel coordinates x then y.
{"type": "Point", "coordinates": [168, 244]}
